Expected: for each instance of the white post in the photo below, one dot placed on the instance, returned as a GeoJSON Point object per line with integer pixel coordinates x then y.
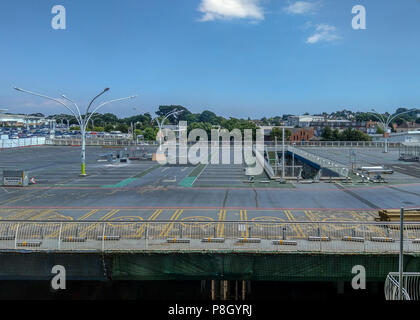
{"type": "Point", "coordinates": [83, 132]}
{"type": "Point", "coordinates": [103, 237]}
{"type": "Point", "coordinates": [16, 235]}
{"type": "Point", "coordinates": [401, 265]}
{"type": "Point", "coordinates": [283, 154]}
{"type": "Point", "coordinates": [59, 236]}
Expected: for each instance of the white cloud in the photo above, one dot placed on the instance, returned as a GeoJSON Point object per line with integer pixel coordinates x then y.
{"type": "Point", "coordinates": [301, 7]}
{"type": "Point", "coordinates": [231, 9]}
{"type": "Point", "coordinates": [323, 32]}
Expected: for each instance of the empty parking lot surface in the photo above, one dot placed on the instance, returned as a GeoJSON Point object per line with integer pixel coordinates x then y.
{"type": "Point", "coordinates": [144, 186]}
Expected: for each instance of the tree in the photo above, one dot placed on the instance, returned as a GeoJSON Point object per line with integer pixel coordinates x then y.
{"type": "Point", "coordinates": [278, 133]}
{"type": "Point", "coordinates": [109, 128]}
{"type": "Point", "coordinates": [122, 127]}
{"type": "Point", "coordinates": [327, 134]}
{"type": "Point", "coordinates": [164, 110]}
{"type": "Point", "coordinates": [353, 135]}
{"type": "Point", "coordinates": [149, 134]}
{"type": "Point", "coordinates": [208, 116]}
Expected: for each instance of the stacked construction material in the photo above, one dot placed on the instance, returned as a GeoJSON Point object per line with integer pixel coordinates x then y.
{"type": "Point", "coordinates": [394, 215]}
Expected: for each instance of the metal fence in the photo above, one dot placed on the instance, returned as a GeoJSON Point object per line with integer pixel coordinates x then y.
{"type": "Point", "coordinates": [124, 141]}
{"type": "Point", "coordinates": [344, 144]}
{"type": "Point", "coordinates": [340, 237]}
{"type": "Point", "coordinates": [23, 142]}
{"type": "Point", "coordinates": [410, 287]}
{"type": "Point", "coordinates": [322, 162]}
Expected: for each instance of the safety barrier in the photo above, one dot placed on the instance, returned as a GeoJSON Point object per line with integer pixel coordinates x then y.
{"type": "Point", "coordinates": [353, 237]}
{"type": "Point", "coordinates": [125, 142]}
{"type": "Point", "coordinates": [21, 143]}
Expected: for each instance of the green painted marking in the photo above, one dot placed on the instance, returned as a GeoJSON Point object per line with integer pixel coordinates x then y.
{"type": "Point", "coordinates": [125, 182]}
{"type": "Point", "coordinates": [143, 173]}
{"type": "Point", "coordinates": [120, 184]}
{"type": "Point", "coordinates": [187, 182]}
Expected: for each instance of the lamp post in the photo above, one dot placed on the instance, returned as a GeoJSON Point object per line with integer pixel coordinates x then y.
{"type": "Point", "coordinates": [385, 122]}
{"type": "Point", "coordinates": [162, 122]}
{"type": "Point", "coordinates": [83, 120]}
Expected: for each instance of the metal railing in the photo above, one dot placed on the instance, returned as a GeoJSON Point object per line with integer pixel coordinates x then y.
{"type": "Point", "coordinates": [258, 235]}
{"type": "Point", "coordinates": [410, 287]}
{"type": "Point", "coordinates": [322, 162]}
{"type": "Point", "coordinates": [127, 141]}
{"type": "Point", "coordinates": [345, 144]}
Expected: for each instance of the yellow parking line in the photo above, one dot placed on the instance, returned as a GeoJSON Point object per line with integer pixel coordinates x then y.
{"type": "Point", "coordinates": [41, 214]}
{"type": "Point", "coordinates": [169, 226]}
{"type": "Point", "coordinates": [243, 215]}
{"type": "Point", "coordinates": [104, 218]}
{"type": "Point", "coordinates": [291, 218]}
{"type": "Point", "coordinates": [154, 216]}
{"type": "Point", "coordinates": [298, 226]}
{"type": "Point", "coordinates": [20, 214]}
{"type": "Point", "coordinates": [87, 215]}
{"type": "Point", "coordinates": [84, 217]}
{"type": "Point", "coordinates": [311, 215]}
{"type": "Point", "coordinates": [220, 225]}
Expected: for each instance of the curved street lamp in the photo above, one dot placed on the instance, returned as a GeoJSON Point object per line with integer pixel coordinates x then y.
{"type": "Point", "coordinates": [385, 122]}
{"type": "Point", "coordinates": [83, 120]}
{"type": "Point", "coordinates": [162, 122]}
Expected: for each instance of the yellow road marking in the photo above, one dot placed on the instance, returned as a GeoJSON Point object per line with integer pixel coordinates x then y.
{"type": "Point", "coordinates": [243, 215]}
{"type": "Point", "coordinates": [20, 214]}
{"type": "Point", "coordinates": [297, 228]}
{"type": "Point", "coordinates": [87, 215]}
{"type": "Point", "coordinates": [311, 215]}
{"type": "Point", "coordinates": [68, 226]}
{"type": "Point", "coordinates": [41, 214]}
{"type": "Point", "coordinates": [169, 226]}
{"type": "Point", "coordinates": [104, 218]}
{"type": "Point", "coordinates": [220, 225]}
{"type": "Point", "coordinates": [154, 216]}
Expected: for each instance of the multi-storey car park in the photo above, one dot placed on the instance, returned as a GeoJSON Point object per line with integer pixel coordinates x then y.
{"type": "Point", "coordinates": [132, 218]}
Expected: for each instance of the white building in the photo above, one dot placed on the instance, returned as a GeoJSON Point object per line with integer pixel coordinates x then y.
{"type": "Point", "coordinates": [401, 137]}
{"type": "Point", "coordinates": [20, 120]}
{"type": "Point", "coordinates": [303, 121]}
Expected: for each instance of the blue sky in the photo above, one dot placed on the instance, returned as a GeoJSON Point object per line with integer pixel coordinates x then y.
{"type": "Point", "coordinates": [253, 58]}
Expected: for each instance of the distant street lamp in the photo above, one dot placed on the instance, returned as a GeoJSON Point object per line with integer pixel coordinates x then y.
{"type": "Point", "coordinates": [83, 120]}
{"type": "Point", "coordinates": [385, 122]}
{"type": "Point", "coordinates": [162, 122]}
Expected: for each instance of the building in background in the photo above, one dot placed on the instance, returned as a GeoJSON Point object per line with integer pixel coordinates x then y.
{"type": "Point", "coordinates": [406, 127]}
{"type": "Point", "coordinates": [302, 134]}
{"type": "Point", "coordinates": [400, 137]}
{"type": "Point", "coordinates": [318, 123]}
{"type": "Point", "coordinates": [21, 120]}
